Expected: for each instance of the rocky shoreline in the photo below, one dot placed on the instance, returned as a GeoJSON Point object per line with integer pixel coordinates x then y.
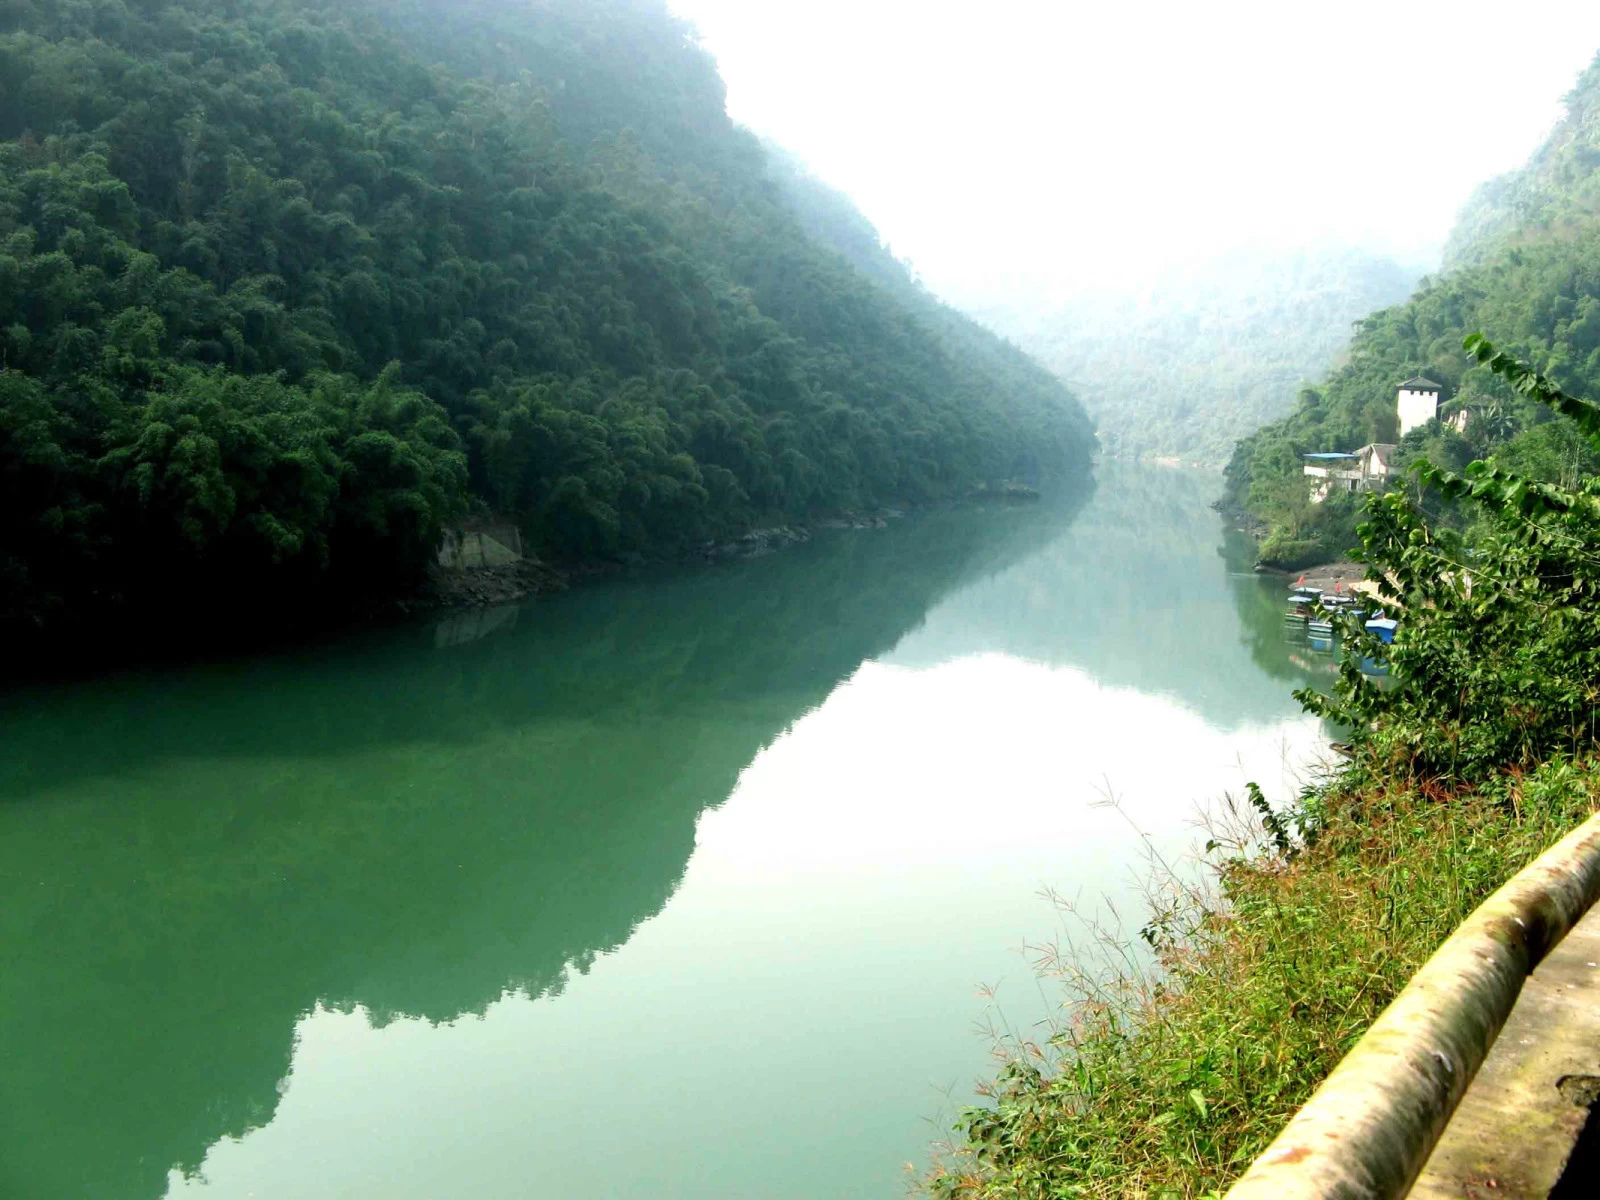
{"type": "Point", "coordinates": [491, 586]}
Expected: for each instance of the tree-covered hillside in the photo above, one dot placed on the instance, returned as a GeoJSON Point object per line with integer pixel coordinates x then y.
{"type": "Point", "coordinates": [829, 217]}
{"type": "Point", "coordinates": [1187, 365]}
{"type": "Point", "coordinates": [286, 286]}
{"type": "Point", "coordinates": [1532, 286]}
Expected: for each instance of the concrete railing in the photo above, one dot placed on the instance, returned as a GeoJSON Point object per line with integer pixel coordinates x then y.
{"type": "Point", "coordinates": [1368, 1130]}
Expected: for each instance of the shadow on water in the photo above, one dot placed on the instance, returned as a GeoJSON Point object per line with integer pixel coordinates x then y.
{"type": "Point", "coordinates": [413, 821]}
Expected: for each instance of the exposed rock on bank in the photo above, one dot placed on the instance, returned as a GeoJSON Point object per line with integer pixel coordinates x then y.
{"type": "Point", "coordinates": [482, 567]}
{"type": "Point", "coordinates": [855, 521]}
{"type": "Point", "coordinates": [1006, 489]}
{"type": "Point", "coordinates": [478, 587]}
{"type": "Point", "coordinates": [759, 542]}
{"type": "Point", "coordinates": [755, 544]}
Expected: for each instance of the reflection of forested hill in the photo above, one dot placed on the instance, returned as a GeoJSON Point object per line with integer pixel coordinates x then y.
{"type": "Point", "coordinates": [1135, 593]}
{"type": "Point", "coordinates": [190, 862]}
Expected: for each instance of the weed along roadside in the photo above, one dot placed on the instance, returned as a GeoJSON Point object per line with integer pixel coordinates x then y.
{"type": "Point", "coordinates": [1480, 760]}
{"type": "Point", "coordinates": [1370, 1128]}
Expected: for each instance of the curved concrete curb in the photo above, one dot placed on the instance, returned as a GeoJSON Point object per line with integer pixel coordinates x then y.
{"type": "Point", "coordinates": [1367, 1131]}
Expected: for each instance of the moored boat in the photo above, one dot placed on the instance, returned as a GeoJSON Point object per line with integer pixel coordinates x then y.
{"type": "Point", "coordinates": [1301, 607]}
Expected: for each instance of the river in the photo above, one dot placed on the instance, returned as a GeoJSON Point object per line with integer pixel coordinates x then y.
{"type": "Point", "coordinates": [699, 884]}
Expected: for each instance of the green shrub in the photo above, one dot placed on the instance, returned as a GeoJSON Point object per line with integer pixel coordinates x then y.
{"type": "Point", "coordinates": [1287, 552]}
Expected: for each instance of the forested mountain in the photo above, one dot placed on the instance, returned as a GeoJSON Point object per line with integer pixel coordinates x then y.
{"type": "Point", "coordinates": [1531, 285]}
{"type": "Point", "coordinates": [830, 218]}
{"type": "Point", "coordinates": [1187, 365]}
{"type": "Point", "coordinates": [286, 286]}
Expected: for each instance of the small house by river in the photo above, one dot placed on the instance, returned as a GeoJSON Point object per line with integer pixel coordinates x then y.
{"type": "Point", "coordinates": [1369, 468]}
{"type": "Point", "coordinates": [1363, 470]}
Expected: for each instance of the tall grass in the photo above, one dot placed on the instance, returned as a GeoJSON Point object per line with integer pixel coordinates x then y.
{"type": "Point", "coordinates": [1167, 1080]}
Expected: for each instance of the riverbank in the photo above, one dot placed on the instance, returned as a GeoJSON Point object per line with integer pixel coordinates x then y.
{"type": "Point", "coordinates": [260, 623]}
{"type": "Point", "coordinates": [1169, 1083]}
{"type": "Point", "coordinates": [1479, 754]}
{"type": "Point", "coordinates": [1333, 578]}
{"type": "Point", "coordinates": [511, 583]}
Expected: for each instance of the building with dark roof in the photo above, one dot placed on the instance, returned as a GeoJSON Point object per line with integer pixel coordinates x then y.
{"type": "Point", "coordinates": [1418, 403]}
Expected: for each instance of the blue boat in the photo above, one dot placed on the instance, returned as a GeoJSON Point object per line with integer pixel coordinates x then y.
{"type": "Point", "coordinates": [1384, 628]}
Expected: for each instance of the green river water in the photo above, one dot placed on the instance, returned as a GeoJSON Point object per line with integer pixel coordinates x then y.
{"type": "Point", "coordinates": [698, 885]}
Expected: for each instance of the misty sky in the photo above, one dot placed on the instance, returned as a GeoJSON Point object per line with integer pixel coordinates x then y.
{"type": "Point", "coordinates": [1025, 146]}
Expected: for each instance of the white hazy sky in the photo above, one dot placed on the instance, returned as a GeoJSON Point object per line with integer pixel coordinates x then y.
{"type": "Point", "coordinates": [1046, 147]}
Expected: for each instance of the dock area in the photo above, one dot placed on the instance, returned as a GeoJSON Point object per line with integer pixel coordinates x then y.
{"type": "Point", "coordinates": [1346, 578]}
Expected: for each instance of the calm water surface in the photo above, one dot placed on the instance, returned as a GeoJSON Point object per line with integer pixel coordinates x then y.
{"type": "Point", "coordinates": [676, 887]}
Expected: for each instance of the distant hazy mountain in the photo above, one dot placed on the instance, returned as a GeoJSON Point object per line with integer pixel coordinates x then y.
{"type": "Point", "coordinates": [1557, 190]}
{"type": "Point", "coordinates": [1190, 364]}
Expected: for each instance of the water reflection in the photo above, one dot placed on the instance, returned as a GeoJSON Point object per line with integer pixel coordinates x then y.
{"type": "Point", "coordinates": [399, 905]}
{"type": "Point", "coordinates": [190, 861]}
{"type": "Point", "coordinates": [1141, 595]}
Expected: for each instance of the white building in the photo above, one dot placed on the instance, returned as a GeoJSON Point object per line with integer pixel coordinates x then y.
{"type": "Point", "coordinates": [1418, 403]}
{"type": "Point", "coordinates": [1363, 470]}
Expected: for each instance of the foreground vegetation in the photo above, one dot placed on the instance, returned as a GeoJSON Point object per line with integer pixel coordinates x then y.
{"type": "Point", "coordinates": [1170, 1084]}
{"type": "Point", "coordinates": [287, 286]}
{"type": "Point", "coordinates": [1479, 753]}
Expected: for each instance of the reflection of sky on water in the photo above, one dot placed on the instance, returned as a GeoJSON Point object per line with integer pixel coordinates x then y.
{"type": "Point", "coordinates": [808, 997]}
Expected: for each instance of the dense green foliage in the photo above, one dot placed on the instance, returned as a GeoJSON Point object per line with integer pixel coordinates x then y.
{"type": "Point", "coordinates": [1537, 292]}
{"type": "Point", "coordinates": [1498, 656]}
{"type": "Point", "coordinates": [286, 286]}
{"type": "Point", "coordinates": [1191, 363]}
{"type": "Point", "coordinates": [829, 218]}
